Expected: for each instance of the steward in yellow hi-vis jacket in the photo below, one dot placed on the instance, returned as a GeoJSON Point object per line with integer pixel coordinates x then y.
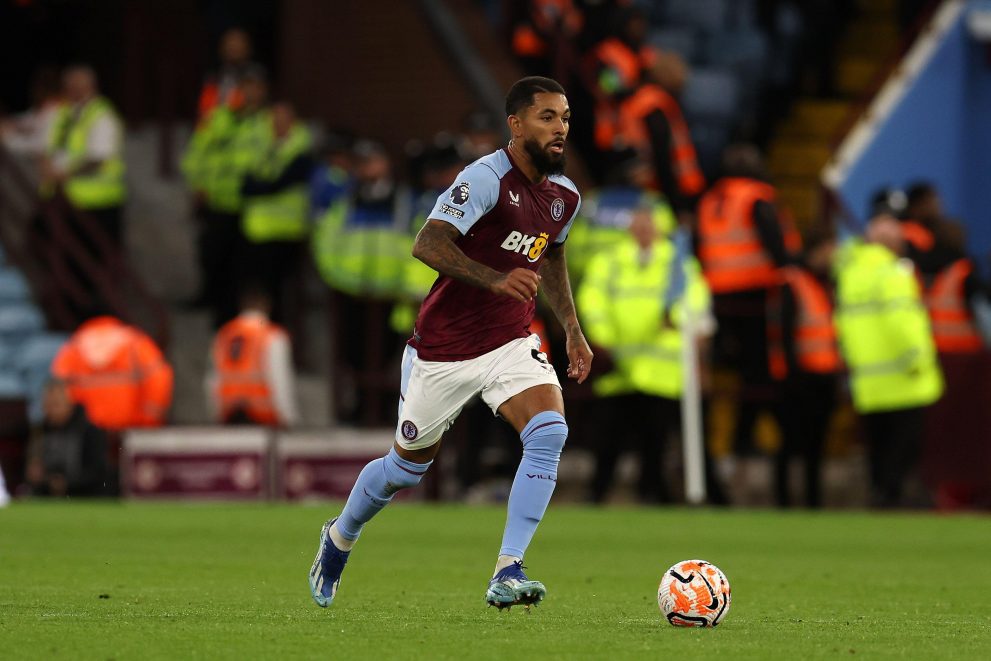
{"type": "Point", "coordinates": [275, 222]}
{"type": "Point", "coordinates": [84, 157]}
{"type": "Point", "coordinates": [225, 147]}
{"type": "Point", "coordinates": [604, 219]}
{"type": "Point", "coordinates": [887, 343]}
{"type": "Point", "coordinates": [621, 302]}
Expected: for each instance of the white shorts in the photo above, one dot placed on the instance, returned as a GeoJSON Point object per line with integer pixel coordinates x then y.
{"type": "Point", "coordinates": [432, 394]}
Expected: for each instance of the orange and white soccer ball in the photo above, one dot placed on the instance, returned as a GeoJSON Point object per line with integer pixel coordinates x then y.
{"type": "Point", "coordinates": [694, 593]}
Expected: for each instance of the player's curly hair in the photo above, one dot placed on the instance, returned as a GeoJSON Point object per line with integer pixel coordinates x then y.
{"type": "Point", "coordinates": [521, 93]}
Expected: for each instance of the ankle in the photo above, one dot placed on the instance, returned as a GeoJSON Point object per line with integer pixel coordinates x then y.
{"type": "Point", "coordinates": [339, 540]}
{"type": "Point", "coordinates": [504, 561]}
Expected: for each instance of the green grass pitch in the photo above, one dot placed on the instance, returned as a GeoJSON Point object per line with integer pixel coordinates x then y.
{"type": "Point", "coordinates": [145, 581]}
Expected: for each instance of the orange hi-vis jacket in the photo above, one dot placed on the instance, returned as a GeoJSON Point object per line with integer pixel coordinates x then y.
{"type": "Point", "coordinates": [548, 17]}
{"type": "Point", "coordinates": [627, 63]}
{"type": "Point", "coordinates": [815, 335]}
{"type": "Point", "coordinates": [239, 356]}
{"type": "Point", "coordinates": [917, 235]}
{"type": "Point", "coordinates": [210, 98]}
{"type": "Point", "coordinates": [117, 374]}
{"type": "Point", "coordinates": [629, 128]}
{"type": "Point", "coordinates": [732, 255]}
{"type": "Point", "coordinates": [954, 330]}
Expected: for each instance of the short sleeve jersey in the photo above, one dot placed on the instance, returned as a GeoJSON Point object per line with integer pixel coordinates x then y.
{"type": "Point", "coordinates": [506, 221]}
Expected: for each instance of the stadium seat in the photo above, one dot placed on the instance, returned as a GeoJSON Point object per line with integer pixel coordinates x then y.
{"type": "Point", "coordinates": [680, 40]}
{"type": "Point", "coordinates": [804, 202]}
{"type": "Point", "coordinates": [742, 14]}
{"type": "Point", "coordinates": [815, 119]}
{"type": "Point", "coordinates": [744, 51]}
{"type": "Point", "coordinates": [11, 386]}
{"type": "Point", "coordinates": [19, 320]}
{"type": "Point", "coordinates": [13, 287]}
{"type": "Point", "coordinates": [712, 95]}
{"type": "Point", "coordinates": [37, 352]}
{"type": "Point", "coordinates": [654, 10]}
{"type": "Point", "coordinates": [707, 15]}
{"type": "Point", "coordinates": [798, 160]}
{"type": "Point", "coordinates": [710, 138]}
{"type": "Point", "coordinates": [8, 352]}
{"type": "Point", "coordinates": [34, 394]}
{"type": "Point", "coordinates": [33, 363]}
{"type": "Point", "coordinates": [788, 22]}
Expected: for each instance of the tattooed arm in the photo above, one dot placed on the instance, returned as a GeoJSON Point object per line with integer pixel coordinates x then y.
{"type": "Point", "coordinates": [434, 246]}
{"type": "Point", "coordinates": [557, 287]}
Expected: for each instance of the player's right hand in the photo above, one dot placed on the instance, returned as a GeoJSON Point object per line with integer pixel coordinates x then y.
{"type": "Point", "coordinates": [519, 283]}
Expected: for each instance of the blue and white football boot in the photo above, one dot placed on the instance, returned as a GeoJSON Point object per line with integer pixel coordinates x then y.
{"type": "Point", "coordinates": [511, 587]}
{"type": "Point", "coordinates": [325, 574]}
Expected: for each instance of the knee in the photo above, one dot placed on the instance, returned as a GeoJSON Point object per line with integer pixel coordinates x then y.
{"type": "Point", "coordinates": [545, 435]}
{"type": "Point", "coordinates": [398, 481]}
{"type": "Point", "coordinates": [401, 473]}
{"type": "Point", "coordinates": [548, 442]}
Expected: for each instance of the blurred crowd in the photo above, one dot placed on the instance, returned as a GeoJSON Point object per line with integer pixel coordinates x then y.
{"type": "Point", "coordinates": [664, 252]}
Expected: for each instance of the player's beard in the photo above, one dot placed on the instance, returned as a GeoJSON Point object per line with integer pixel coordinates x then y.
{"type": "Point", "coordinates": [545, 162]}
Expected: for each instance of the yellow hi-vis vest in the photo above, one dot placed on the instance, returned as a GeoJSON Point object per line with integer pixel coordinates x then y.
{"type": "Point", "coordinates": [361, 260]}
{"type": "Point", "coordinates": [603, 222]}
{"type": "Point", "coordinates": [95, 190]}
{"type": "Point", "coordinates": [883, 331]}
{"type": "Point", "coordinates": [621, 302]}
{"type": "Point", "coordinates": [280, 216]}
{"type": "Point", "coordinates": [221, 151]}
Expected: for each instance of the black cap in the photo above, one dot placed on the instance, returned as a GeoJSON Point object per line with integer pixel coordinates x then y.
{"type": "Point", "coordinates": [891, 201]}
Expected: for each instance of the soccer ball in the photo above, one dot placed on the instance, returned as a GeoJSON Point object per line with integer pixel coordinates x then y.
{"type": "Point", "coordinates": [694, 593]}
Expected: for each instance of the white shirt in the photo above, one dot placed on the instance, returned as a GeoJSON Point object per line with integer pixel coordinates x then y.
{"type": "Point", "coordinates": [104, 141]}
{"type": "Point", "coordinates": [30, 131]}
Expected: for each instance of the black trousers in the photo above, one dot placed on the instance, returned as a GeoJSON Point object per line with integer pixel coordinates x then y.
{"type": "Point", "coordinates": [111, 219]}
{"type": "Point", "coordinates": [221, 257]}
{"type": "Point", "coordinates": [807, 404]}
{"type": "Point", "coordinates": [273, 265]}
{"type": "Point", "coordinates": [741, 345]}
{"type": "Point", "coordinates": [642, 423]}
{"type": "Point", "coordinates": [365, 359]}
{"type": "Point", "coordinates": [894, 446]}
{"type": "Point", "coordinates": [637, 422]}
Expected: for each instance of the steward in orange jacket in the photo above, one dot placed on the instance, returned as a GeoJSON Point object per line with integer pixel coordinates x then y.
{"type": "Point", "coordinates": [801, 334]}
{"type": "Point", "coordinates": [117, 373]}
{"type": "Point", "coordinates": [648, 119]}
{"type": "Point", "coordinates": [251, 379]}
{"type": "Point", "coordinates": [805, 358]}
{"type": "Point", "coordinates": [541, 24]}
{"type": "Point", "coordinates": [741, 242]}
{"type": "Point", "coordinates": [741, 238]}
{"type": "Point", "coordinates": [650, 122]}
{"type": "Point", "coordinates": [948, 301]}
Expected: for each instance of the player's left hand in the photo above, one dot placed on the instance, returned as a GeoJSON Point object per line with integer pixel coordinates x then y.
{"type": "Point", "coordinates": [579, 357]}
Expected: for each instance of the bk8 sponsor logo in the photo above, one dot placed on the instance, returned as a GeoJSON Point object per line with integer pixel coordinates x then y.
{"type": "Point", "coordinates": [530, 246]}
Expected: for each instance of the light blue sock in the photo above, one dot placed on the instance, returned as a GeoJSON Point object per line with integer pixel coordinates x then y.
{"type": "Point", "coordinates": [374, 488]}
{"type": "Point", "coordinates": [543, 439]}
